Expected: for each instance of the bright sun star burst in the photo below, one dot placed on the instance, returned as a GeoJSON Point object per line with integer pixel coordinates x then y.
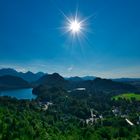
{"type": "Point", "coordinates": [74, 26]}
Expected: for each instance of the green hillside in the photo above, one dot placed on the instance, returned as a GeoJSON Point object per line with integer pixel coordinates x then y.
{"type": "Point", "coordinates": [127, 96]}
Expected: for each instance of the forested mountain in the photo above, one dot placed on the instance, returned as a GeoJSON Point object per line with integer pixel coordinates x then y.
{"type": "Point", "coordinates": [98, 84]}
{"type": "Point", "coordinates": [56, 80]}
{"type": "Point", "coordinates": [28, 76]}
{"type": "Point", "coordinates": [132, 81]}
{"type": "Point", "coordinates": [12, 82]}
{"type": "Point", "coordinates": [74, 79]}
{"type": "Point", "coordinates": [52, 80]}
{"type": "Point", "coordinates": [88, 77]}
{"type": "Point", "coordinates": [127, 79]}
{"type": "Point", "coordinates": [80, 78]}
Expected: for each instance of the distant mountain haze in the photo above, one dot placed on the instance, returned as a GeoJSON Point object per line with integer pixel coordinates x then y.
{"type": "Point", "coordinates": [55, 80]}
{"type": "Point", "coordinates": [127, 79]}
{"type": "Point", "coordinates": [32, 77]}
{"type": "Point", "coordinates": [28, 76]}
{"type": "Point", "coordinates": [80, 78]}
{"type": "Point", "coordinates": [75, 79]}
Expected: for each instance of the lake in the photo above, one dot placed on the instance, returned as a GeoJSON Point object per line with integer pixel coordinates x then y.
{"type": "Point", "coordinates": [19, 93]}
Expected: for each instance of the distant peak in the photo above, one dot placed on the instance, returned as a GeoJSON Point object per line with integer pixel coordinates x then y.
{"type": "Point", "coordinates": [55, 74]}
{"type": "Point", "coordinates": [29, 72]}
{"type": "Point", "coordinates": [40, 72]}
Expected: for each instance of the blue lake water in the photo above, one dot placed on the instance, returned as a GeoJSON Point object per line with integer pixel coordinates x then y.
{"type": "Point", "coordinates": [19, 93]}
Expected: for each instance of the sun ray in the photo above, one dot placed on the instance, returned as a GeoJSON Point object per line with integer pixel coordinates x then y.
{"type": "Point", "coordinates": [77, 27]}
{"type": "Point", "coordinates": [86, 19]}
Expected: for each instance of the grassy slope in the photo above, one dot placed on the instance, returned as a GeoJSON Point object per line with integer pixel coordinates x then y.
{"type": "Point", "coordinates": [127, 96]}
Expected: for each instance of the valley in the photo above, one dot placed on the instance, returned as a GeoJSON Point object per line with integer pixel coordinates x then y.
{"type": "Point", "coordinates": [70, 109]}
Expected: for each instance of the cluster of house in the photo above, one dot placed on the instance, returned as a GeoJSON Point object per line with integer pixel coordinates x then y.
{"type": "Point", "coordinates": [94, 118]}
{"type": "Point", "coordinates": [116, 111]}
{"type": "Point", "coordinates": [45, 105]}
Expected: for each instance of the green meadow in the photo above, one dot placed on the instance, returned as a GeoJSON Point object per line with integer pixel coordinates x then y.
{"type": "Point", "coordinates": [127, 96]}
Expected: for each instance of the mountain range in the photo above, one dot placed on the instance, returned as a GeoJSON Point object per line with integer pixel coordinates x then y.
{"type": "Point", "coordinates": [96, 85]}
{"type": "Point", "coordinates": [10, 78]}
{"type": "Point", "coordinates": [77, 78]}
{"type": "Point", "coordinates": [28, 76]}
{"type": "Point", "coordinates": [31, 77]}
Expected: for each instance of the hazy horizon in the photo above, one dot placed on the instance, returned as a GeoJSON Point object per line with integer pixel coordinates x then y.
{"type": "Point", "coordinates": [66, 76]}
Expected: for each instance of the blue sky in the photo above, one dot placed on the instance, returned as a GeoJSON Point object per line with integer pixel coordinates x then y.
{"type": "Point", "coordinates": [31, 37]}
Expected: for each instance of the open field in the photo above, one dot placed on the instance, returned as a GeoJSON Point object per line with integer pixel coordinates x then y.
{"type": "Point", "coordinates": [127, 96]}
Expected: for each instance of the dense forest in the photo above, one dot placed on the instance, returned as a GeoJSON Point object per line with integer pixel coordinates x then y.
{"type": "Point", "coordinates": [66, 117]}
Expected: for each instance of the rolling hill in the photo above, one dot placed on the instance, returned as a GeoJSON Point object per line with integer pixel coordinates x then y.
{"type": "Point", "coordinates": [52, 80]}
{"type": "Point", "coordinates": [12, 82]}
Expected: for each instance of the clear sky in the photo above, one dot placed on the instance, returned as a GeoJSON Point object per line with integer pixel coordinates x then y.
{"type": "Point", "coordinates": [31, 37]}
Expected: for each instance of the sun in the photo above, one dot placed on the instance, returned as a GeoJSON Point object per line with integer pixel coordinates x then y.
{"type": "Point", "coordinates": [75, 26]}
